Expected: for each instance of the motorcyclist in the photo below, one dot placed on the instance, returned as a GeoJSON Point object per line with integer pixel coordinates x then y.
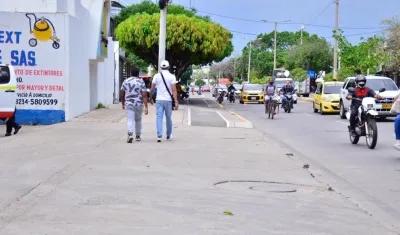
{"type": "Point", "coordinates": [360, 92]}
{"type": "Point", "coordinates": [269, 91]}
{"type": "Point", "coordinates": [288, 88]}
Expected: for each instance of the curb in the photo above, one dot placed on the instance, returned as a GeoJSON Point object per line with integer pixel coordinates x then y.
{"type": "Point", "coordinates": [245, 124]}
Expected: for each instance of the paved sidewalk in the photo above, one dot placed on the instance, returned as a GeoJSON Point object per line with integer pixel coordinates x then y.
{"type": "Point", "coordinates": [81, 177]}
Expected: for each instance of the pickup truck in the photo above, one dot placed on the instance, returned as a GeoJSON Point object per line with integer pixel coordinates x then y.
{"type": "Point", "coordinates": [373, 82]}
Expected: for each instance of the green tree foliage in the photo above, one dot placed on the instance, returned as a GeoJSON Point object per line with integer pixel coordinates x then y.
{"type": "Point", "coordinates": [150, 8]}
{"type": "Point", "coordinates": [262, 55]}
{"type": "Point", "coordinates": [393, 41]}
{"type": "Point", "coordinates": [299, 74]}
{"type": "Point", "coordinates": [199, 82]}
{"type": "Point", "coordinates": [186, 75]}
{"type": "Point", "coordinates": [137, 61]}
{"type": "Point", "coordinates": [368, 54]}
{"type": "Point", "coordinates": [190, 40]}
{"type": "Point", "coordinates": [314, 53]}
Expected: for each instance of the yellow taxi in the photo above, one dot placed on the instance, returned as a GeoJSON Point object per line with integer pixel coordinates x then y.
{"type": "Point", "coordinates": [327, 97]}
{"type": "Point", "coordinates": [252, 93]}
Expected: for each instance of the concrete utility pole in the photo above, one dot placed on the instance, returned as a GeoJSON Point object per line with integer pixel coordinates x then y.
{"type": "Point", "coordinates": [335, 49]}
{"type": "Point", "coordinates": [275, 35]}
{"type": "Point", "coordinates": [249, 68]}
{"type": "Point", "coordinates": [301, 35]}
{"type": "Point", "coordinates": [163, 32]}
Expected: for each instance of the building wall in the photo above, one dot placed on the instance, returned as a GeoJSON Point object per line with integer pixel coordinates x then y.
{"type": "Point", "coordinates": [57, 81]}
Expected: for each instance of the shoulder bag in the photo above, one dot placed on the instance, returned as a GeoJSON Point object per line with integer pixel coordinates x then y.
{"type": "Point", "coordinates": [169, 92]}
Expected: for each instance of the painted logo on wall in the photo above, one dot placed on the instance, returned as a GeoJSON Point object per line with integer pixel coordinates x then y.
{"type": "Point", "coordinates": [39, 61]}
{"type": "Point", "coordinates": [42, 29]}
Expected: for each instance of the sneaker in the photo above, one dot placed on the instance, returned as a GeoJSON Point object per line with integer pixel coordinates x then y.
{"type": "Point", "coordinates": [159, 139]}
{"type": "Point", "coordinates": [138, 138]}
{"type": "Point", "coordinates": [7, 134]}
{"type": "Point", "coordinates": [17, 130]}
{"type": "Point", "coordinates": [169, 137]}
{"type": "Point", "coordinates": [130, 138]}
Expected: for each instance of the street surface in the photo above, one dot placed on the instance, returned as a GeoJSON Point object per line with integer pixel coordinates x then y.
{"type": "Point", "coordinates": [370, 178]}
{"type": "Point", "coordinates": [81, 177]}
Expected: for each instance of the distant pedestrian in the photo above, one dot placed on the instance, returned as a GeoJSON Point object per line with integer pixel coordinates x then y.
{"type": "Point", "coordinates": [10, 124]}
{"type": "Point", "coordinates": [167, 99]}
{"type": "Point", "coordinates": [396, 109]}
{"type": "Point", "coordinates": [134, 97]}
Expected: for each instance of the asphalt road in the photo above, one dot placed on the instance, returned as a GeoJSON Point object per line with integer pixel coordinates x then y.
{"type": "Point", "coordinates": [370, 177]}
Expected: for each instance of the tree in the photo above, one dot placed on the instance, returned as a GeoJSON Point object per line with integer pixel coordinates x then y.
{"type": "Point", "coordinates": [199, 82]}
{"type": "Point", "coordinates": [262, 55]}
{"type": "Point", "coordinates": [314, 53]}
{"type": "Point", "coordinates": [299, 74]}
{"type": "Point", "coordinates": [224, 69]}
{"type": "Point", "coordinates": [393, 40]}
{"type": "Point", "coordinates": [186, 75]}
{"type": "Point", "coordinates": [151, 8]}
{"type": "Point", "coordinates": [367, 55]}
{"type": "Point", "coordinates": [190, 40]}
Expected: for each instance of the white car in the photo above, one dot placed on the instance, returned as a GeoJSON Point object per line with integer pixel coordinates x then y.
{"type": "Point", "coordinates": [8, 94]}
{"type": "Point", "coordinates": [374, 82]}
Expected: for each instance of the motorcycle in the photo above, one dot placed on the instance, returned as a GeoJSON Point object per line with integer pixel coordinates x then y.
{"type": "Point", "coordinates": [221, 97]}
{"type": "Point", "coordinates": [288, 103]}
{"type": "Point", "coordinates": [183, 95]}
{"type": "Point", "coordinates": [366, 121]}
{"type": "Point", "coordinates": [231, 97]}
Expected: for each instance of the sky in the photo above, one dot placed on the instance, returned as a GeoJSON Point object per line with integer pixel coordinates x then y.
{"type": "Point", "coordinates": [357, 18]}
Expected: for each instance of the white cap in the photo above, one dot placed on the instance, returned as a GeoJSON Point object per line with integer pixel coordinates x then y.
{"type": "Point", "coordinates": [164, 64]}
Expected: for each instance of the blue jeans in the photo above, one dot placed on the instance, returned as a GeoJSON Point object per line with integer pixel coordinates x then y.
{"type": "Point", "coordinates": [397, 127]}
{"type": "Point", "coordinates": [163, 106]}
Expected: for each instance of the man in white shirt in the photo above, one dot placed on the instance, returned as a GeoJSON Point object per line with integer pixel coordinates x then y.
{"type": "Point", "coordinates": [166, 99]}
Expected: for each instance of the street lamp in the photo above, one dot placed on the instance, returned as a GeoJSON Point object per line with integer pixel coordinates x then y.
{"type": "Point", "coordinates": [275, 30]}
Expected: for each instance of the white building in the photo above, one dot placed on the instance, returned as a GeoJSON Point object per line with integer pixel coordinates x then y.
{"type": "Point", "coordinates": [64, 66]}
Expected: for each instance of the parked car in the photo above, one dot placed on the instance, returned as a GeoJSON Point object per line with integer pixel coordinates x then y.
{"type": "Point", "coordinates": [8, 87]}
{"type": "Point", "coordinates": [327, 97]}
{"type": "Point", "coordinates": [206, 88]}
{"type": "Point", "coordinates": [376, 83]}
{"type": "Point", "coordinates": [252, 93]}
{"type": "Point", "coordinates": [218, 88]}
{"type": "Point", "coordinates": [238, 88]}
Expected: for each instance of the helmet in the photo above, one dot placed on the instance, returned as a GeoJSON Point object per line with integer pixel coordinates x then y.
{"type": "Point", "coordinates": [361, 80]}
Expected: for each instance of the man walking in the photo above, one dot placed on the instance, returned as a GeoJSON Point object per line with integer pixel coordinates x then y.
{"type": "Point", "coordinates": [133, 96]}
{"type": "Point", "coordinates": [166, 100]}
{"type": "Point", "coordinates": [10, 124]}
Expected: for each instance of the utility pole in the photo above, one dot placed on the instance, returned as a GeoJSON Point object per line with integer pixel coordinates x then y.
{"type": "Point", "coordinates": [248, 69]}
{"type": "Point", "coordinates": [301, 35]}
{"type": "Point", "coordinates": [335, 49]}
{"type": "Point", "coordinates": [163, 32]}
{"type": "Point", "coordinates": [276, 28]}
{"type": "Point", "coordinates": [275, 33]}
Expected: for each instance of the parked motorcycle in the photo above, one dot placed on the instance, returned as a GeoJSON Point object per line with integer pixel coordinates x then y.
{"type": "Point", "coordinates": [231, 97]}
{"type": "Point", "coordinates": [221, 97]}
{"type": "Point", "coordinates": [288, 103]}
{"type": "Point", "coordinates": [366, 121]}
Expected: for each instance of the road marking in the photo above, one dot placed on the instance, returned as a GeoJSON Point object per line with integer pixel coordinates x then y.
{"type": "Point", "coordinates": [244, 119]}
{"type": "Point", "coordinates": [208, 105]}
{"type": "Point", "coordinates": [226, 120]}
{"type": "Point", "coordinates": [189, 117]}
{"type": "Point", "coordinates": [345, 123]}
{"type": "Point", "coordinates": [308, 114]}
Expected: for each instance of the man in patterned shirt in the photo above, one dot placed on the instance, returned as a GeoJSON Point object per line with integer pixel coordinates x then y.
{"type": "Point", "coordinates": [133, 97]}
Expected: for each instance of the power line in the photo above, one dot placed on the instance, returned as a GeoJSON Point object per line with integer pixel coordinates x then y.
{"type": "Point", "coordinates": [294, 23]}
{"type": "Point", "coordinates": [347, 35]}
{"type": "Point", "coordinates": [323, 11]}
